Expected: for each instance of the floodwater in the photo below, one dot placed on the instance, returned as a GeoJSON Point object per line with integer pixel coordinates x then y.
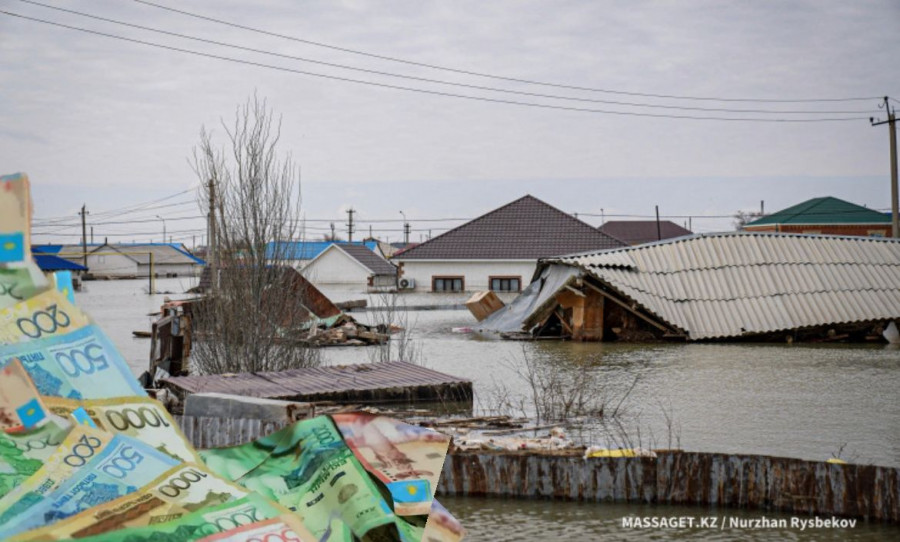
{"type": "Point", "coordinates": [806, 401]}
{"type": "Point", "coordinates": [508, 520]}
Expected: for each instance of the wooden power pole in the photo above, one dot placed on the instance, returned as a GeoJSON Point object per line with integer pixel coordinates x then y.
{"type": "Point", "coordinates": [892, 129]}
{"type": "Point", "coordinates": [212, 256]}
{"type": "Point", "coordinates": [84, 234]}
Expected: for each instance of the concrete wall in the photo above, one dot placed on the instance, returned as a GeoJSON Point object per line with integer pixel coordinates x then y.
{"type": "Point", "coordinates": [475, 273]}
{"type": "Point", "coordinates": [336, 267]}
{"type": "Point", "coordinates": [682, 478]}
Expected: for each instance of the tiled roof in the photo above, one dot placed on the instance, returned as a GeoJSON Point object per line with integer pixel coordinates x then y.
{"type": "Point", "coordinates": [305, 250]}
{"type": "Point", "coordinates": [827, 210]}
{"type": "Point", "coordinates": [636, 232]}
{"type": "Point", "coordinates": [525, 229]}
{"type": "Point", "coordinates": [375, 263]}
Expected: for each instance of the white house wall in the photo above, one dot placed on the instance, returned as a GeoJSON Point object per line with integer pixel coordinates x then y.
{"type": "Point", "coordinates": [335, 267]}
{"type": "Point", "coordinates": [111, 265]}
{"type": "Point", "coordinates": [178, 269]}
{"type": "Point", "coordinates": [475, 273]}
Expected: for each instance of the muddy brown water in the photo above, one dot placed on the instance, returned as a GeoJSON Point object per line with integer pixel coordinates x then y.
{"type": "Point", "coordinates": [805, 401]}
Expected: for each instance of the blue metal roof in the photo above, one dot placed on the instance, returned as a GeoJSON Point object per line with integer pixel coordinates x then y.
{"type": "Point", "coordinates": [306, 250]}
{"type": "Point", "coordinates": [49, 262]}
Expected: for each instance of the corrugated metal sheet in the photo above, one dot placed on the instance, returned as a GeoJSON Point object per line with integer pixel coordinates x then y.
{"type": "Point", "coordinates": [363, 380]}
{"type": "Point", "coordinates": [733, 284]}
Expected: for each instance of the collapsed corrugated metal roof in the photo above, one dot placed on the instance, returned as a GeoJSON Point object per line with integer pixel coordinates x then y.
{"type": "Point", "coordinates": [738, 284]}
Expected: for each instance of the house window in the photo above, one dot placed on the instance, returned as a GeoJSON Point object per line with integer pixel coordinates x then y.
{"type": "Point", "coordinates": [506, 284]}
{"type": "Point", "coordinates": [447, 284]}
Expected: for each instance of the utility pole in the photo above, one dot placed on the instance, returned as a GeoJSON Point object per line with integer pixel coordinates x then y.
{"type": "Point", "coordinates": [406, 233]}
{"type": "Point", "coordinates": [350, 212]}
{"type": "Point", "coordinates": [211, 251]}
{"type": "Point", "coordinates": [84, 233]}
{"type": "Point", "coordinates": [92, 235]}
{"type": "Point", "coordinates": [892, 130]}
{"type": "Point", "coordinates": [332, 232]}
{"type": "Point", "coordinates": [658, 229]}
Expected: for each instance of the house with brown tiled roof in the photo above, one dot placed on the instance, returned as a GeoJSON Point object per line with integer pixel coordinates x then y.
{"type": "Point", "coordinates": [348, 264]}
{"type": "Point", "coordinates": [497, 251]}
{"type": "Point", "coordinates": [638, 232]}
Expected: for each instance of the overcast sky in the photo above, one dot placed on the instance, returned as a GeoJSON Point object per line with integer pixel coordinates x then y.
{"type": "Point", "coordinates": [111, 123]}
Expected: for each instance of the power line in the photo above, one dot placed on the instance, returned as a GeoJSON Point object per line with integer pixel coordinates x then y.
{"type": "Point", "coordinates": [427, 91]}
{"type": "Point", "coordinates": [449, 83]}
{"type": "Point", "coordinates": [493, 76]}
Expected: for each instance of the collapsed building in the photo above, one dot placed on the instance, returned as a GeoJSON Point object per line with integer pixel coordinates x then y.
{"type": "Point", "coordinates": [706, 287]}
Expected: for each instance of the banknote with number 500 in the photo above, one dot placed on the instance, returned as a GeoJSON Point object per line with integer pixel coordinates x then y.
{"type": "Point", "coordinates": [82, 364]}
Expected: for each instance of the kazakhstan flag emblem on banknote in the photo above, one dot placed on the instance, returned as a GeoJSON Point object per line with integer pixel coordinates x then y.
{"type": "Point", "coordinates": [12, 247]}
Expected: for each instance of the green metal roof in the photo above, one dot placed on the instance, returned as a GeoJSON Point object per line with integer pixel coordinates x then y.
{"type": "Point", "coordinates": [827, 210]}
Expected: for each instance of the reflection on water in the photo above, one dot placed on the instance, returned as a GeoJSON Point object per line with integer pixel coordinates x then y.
{"type": "Point", "coordinates": [514, 520]}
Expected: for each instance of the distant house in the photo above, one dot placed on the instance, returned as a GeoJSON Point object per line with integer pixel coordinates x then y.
{"type": "Point", "coordinates": [497, 251]}
{"type": "Point", "coordinates": [136, 260]}
{"type": "Point", "coordinates": [638, 232]}
{"type": "Point", "coordinates": [826, 216]}
{"type": "Point", "coordinates": [298, 254]}
{"type": "Point", "coordinates": [352, 265]}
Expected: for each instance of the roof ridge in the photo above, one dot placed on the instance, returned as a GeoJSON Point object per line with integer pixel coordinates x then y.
{"type": "Point", "coordinates": [479, 219]}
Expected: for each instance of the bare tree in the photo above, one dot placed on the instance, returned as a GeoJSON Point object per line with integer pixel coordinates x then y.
{"type": "Point", "coordinates": [742, 218]}
{"type": "Point", "coordinates": [256, 318]}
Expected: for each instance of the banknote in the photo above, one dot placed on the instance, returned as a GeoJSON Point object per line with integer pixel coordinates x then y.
{"type": "Point", "coordinates": [140, 417]}
{"type": "Point", "coordinates": [19, 282]}
{"type": "Point", "coordinates": [81, 364]}
{"type": "Point", "coordinates": [121, 468]}
{"type": "Point", "coordinates": [245, 511]}
{"type": "Point", "coordinates": [20, 403]}
{"type": "Point", "coordinates": [44, 315]}
{"type": "Point", "coordinates": [442, 526]}
{"type": "Point", "coordinates": [407, 458]}
{"type": "Point", "coordinates": [308, 468]}
{"type": "Point", "coordinates": [15, 218]}
{"type": "Point", "coordinates": [78, 446]}
{"type": "Point", "coordinates": [286, 528]}
{"type": "Point", "coordinates": [23, 453]}
{"type": "Point", "coordinates": [179, 491]}
{"type": "Point", "coordinates": [62, 281]}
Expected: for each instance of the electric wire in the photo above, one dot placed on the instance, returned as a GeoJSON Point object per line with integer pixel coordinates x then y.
{"type": "Point", "coordinates": [493, 76]}
{"type": "Point", "coordinates": [451, 83]}
{"type": "Point", "coordinates": [432, 92]}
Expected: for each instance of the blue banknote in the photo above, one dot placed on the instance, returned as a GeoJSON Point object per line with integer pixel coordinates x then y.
{"type": "Point", "coordinates": [82, 364]}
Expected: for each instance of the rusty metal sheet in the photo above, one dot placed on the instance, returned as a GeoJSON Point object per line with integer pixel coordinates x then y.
{"type": "Point", "coordinates": [301, 383]}
{"type": "Point", "coordinates": [685, 478]}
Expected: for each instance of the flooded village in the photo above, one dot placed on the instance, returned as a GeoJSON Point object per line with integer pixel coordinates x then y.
{"type": "Point", "coordinates": [429, 271]}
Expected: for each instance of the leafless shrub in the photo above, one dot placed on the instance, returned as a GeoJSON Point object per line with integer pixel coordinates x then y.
{"type": "Point", "coordinates": [392, 314]}
{"type": "Point", "coordinates": [554, 393]}
{"type": "Point", "coordinates": [253, 318]}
